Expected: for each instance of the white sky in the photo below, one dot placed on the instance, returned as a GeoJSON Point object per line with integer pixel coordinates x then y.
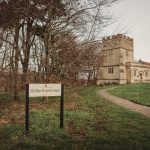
{"type": "Point", "coordinates": [134, 16]}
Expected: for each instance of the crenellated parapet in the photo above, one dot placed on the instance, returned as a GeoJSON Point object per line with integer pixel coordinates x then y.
{"type": "Point", "coordinates": [117, 41]}
{"type": "Point", "coordinates": [117, 37]}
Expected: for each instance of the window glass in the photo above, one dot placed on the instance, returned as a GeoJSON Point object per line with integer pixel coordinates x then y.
{"type": "Point", "coordinates": [110, 70]}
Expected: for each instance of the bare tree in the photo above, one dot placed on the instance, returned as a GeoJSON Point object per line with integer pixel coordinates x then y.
{"type": "Point", "coordinates": [45, 37]}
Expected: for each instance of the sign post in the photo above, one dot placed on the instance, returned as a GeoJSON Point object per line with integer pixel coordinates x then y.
{"type": "Point", "coordinates": [62, 107]}
{"type": "Point", "coordinates": [27, 108]}
{"type": "Point", "coordinates": [42, 90]}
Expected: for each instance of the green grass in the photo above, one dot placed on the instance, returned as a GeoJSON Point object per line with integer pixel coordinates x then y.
{"type": "Point", "coordinates": [138, 93]}
{"type": "Point", "coordinates": [91, 123]}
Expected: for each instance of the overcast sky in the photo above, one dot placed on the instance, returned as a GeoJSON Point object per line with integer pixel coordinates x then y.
{"type": "Point", "coordinates": [134, 17]}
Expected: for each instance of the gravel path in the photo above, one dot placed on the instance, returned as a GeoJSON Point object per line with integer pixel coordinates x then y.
{"type": "Point", "coordinates": [145, 110]}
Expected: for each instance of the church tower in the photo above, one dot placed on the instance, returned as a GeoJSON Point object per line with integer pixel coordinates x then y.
{"type": "Point", "coordinates": [116, 51]}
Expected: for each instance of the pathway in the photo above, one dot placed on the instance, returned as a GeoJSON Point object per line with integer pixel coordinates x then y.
{"type": "Point", "coordinates": [145, 110]}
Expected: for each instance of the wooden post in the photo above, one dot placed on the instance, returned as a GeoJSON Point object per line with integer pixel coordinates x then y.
{"type": "Point", "coordinates": [62, 107]}
{"type": "Point", "coordinates": [27, 109]}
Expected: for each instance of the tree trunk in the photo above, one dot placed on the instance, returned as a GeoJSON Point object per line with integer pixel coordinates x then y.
{"type": "Point", "coordinates": [16, 47]}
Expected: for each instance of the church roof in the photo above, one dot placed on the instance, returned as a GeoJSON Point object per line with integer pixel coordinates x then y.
{"type": "Point", "coordinates": [143, 62]}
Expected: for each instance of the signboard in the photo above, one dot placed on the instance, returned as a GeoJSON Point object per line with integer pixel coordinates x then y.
{"type": "Point", "coordinates": [40, 90]}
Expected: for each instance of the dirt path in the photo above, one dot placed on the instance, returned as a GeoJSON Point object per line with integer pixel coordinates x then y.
{"type": "Point", "coordinates": [145, 110]}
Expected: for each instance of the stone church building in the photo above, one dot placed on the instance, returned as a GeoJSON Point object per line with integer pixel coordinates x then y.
{"type": "Point", "coordinates": [118, 64]}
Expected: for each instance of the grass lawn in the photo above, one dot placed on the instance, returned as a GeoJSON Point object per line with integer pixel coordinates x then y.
{"type": "Point", "coordinates": [91, 123]}
{"type": "Point", "coordinates": [138, 93]}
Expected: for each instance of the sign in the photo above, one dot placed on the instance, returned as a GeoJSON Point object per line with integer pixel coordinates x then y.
{"type": "Point", "coordinates": [40, 90]}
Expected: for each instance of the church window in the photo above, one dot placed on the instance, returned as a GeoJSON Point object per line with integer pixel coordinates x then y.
{"type": "Point", "coordinates": [134, 71]}
{"type": "Point", "coordinates": [146, 73]}
{"type": "Point", "coordinates": [110, 70]}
